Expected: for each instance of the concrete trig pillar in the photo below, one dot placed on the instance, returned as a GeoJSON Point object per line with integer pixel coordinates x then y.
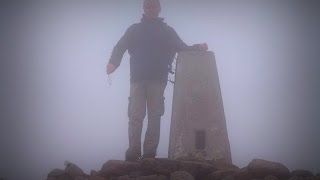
{"type": "Point", "coordinates": [198, 126]}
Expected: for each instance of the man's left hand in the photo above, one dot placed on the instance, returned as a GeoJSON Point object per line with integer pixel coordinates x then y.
{"type": "Point", "coordinates": [203, 47]}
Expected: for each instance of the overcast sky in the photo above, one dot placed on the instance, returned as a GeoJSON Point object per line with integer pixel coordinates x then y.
{"type": "Point", "coordinates": [57, 105]}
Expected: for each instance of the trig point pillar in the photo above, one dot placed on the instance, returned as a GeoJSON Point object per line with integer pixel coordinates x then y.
{"type": "Point", "coordinates": [198, 126]}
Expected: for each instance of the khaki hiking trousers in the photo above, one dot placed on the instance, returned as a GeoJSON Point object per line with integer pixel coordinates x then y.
{"type": "Point", "coordinates": [145, 97]}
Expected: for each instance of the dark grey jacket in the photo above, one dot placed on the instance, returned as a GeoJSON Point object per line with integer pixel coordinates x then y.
{"type": "Point", "coordinates": [152, 45]}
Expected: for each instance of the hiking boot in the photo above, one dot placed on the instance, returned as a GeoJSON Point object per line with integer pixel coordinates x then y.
{"type": "Point", "coordinates": [132, 157]}
{"type": "Point", "coordinates": [149, 156]}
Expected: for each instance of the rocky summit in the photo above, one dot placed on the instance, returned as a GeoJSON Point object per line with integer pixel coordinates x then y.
{"type": "Point", "coordinates": [168, 169]}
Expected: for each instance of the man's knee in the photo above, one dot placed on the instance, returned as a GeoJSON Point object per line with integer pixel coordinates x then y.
{"type": "Point", "coordinates": [136, 108]}
{"type": "Point", "coordinates": [156, 106]}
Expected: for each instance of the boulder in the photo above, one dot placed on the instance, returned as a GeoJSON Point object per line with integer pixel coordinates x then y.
{"type": "Point", "coordinates": [154, 165]}
{"type": "Point", "coordinates": [199, 170]}
{"type": "Point", "coordinates": [220, 174]}
{"type": "Point", "coordinates": [303, 178]}
{"type": "Point", "coordinates": [181, 175]}
{"type": "Point", "coordinates": [126, 177]}
{"type": "Point", "coordinates": [230, 177]}
{"type": "Point", "coordinates": [55, 173]}
{"type": "Point", "coordinates": [118, 168]}
{"type": "Point", "coordinates": [242, 174]}
{"type": "Point", "coordinates": [151, 177]}
{"type": "Point", "coordinates": [65, 177]}
{"type": "Point", "coordinates": [222, 165]}
{"type": "Point", "coordinates": [302, 173]}
{"type": "Point", "coordinates": [80, 178]}
{"type": "Point", "coordinates": [271, 178]}
{"type": "Point", "coordinates": [260, 168]}
{"type": "Point", "coordinates": [94, 173]}
{"type": "Point", "coordinates": [135, 174]}
{"type": "Point", "coordinates": [97, 178]}
{"type": "Point", "coordinates": [73, 170]}
{"type": "Point", "coordinates": [162, 177]}
{"type": "Point", "coordinates": [164, 172]}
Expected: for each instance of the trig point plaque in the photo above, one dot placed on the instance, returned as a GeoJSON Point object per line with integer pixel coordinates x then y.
{"type": "Point", "coordinates": [198, 126]}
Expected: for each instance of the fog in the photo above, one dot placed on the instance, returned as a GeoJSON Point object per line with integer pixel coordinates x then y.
{"type": "Point", "coordinates": [57, 104]}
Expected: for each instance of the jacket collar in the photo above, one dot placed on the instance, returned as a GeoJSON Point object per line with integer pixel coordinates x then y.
{"type": "Point", "coordinates": [144, 19]}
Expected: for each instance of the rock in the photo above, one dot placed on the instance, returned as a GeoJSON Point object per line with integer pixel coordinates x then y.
{"type": "Point", "coordinates": [162, 177]}
{"type": "Point", "coordinates": [126, 177]}
{"type": "Point", "coordinates": [73, 170]}
{"type": "Point", "coordinates": [230, 177]}
{"type": "Point", "coordinates": [302, 173]}
{"type": "Point", "coordinates": [220, 174]}
{"type": "Point", "coordinates": [55, 173]}
{"type": "Point", "coordinates": [135, 174]}
{"type": "Point", "coordinates": [118, 168]}
{"type": "Point", "coordinates": [80, 178]}
{"type": "Point", "coordinates": [151, 177]}
{"type": "Point", "coordinates": [94, 173]}
{"type": "Point", "coordinates": [260, 168]}
{"type": "Point", "coordinates": [224, 166]}
{"type": "Point", "coordinates": [65, 177]}
{"type": "Point", "coordinates": [164, 172]}
{"type": "Point", "coordinates": [271, 178]}
{"type": "Point", "coordinates": [303, 178]}
{"type": "Point", "coordinates": [199, 170]}
{"type": "Point", "coordinates": [152, 165]}
{"type": "Point", "coordinates": [181, 175]}
{"type": "Point", "coordinates": [242, 174]}
{"type": "Point", "coordinates": [97, 178]}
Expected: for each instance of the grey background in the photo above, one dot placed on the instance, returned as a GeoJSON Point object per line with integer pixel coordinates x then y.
{"type": "Point", "coordinates": [56, 104]}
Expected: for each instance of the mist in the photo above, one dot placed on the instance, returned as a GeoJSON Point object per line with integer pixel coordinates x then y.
{"type": "Point", "coordinates": [57, 103]}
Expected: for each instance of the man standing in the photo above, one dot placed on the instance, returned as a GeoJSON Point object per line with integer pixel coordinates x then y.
{"type": "Point", "coordinates": [152, 45]}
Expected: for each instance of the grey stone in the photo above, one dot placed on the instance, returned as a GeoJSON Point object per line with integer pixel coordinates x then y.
{"type": "Point", "coordinates": [260, 168]}
{"type": "Point", "coordinates": [230, 177]}
{"type": "Point", "coordinates": [73, 170]}
{"type": "Point", "coordinates": [303, 178]}
{"type": "Point", "coordinates": [56, 173]}
{"type": "Point", "coordinates": [162, 177]}
{"type": "Point", "coordinates": [302, 173]}
{"type": "Point", "coordinates": [220, 174]}
{"type": "Point", "coordinates": [118, 168]}
{"type": "Point", "coordinates": [94, 173]}
{"type": "Point", "coordinates": [126, 177]}
{"type": "Point", "coordinates": [222, 165]}
{"type": "Point", "coordinates": [65, 177]}
{"type": "Point", "coordinates": [242, 174]}
{"type": "Point", "coordinates": [181, 175]}
{"type": "Point", "coordinates": [80, 178]}
{"type": "Point", "coordinates": [164, 172]}
{"type": "Point", "coordinates": [159, 165]}
{"type": "Point", "coordinates": [271, 178]}
{"type": "Point", "coordinates": [198, 170]}
{"type": "Point", "coordinates": [97, 178]}
{"type": "Point", "coordinates": [150, 177]}
{"type": "Point", "coordinates": [135, 174]}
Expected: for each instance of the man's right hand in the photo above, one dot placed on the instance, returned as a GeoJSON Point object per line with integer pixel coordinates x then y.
{"type": "Point", "coordinates": [110, 68]}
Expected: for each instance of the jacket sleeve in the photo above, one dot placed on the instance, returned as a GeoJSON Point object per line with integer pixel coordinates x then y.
{"type": "Point", "coordinates": [179, 45]}
{"type": "Point", "coordinates": [120, 48]}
